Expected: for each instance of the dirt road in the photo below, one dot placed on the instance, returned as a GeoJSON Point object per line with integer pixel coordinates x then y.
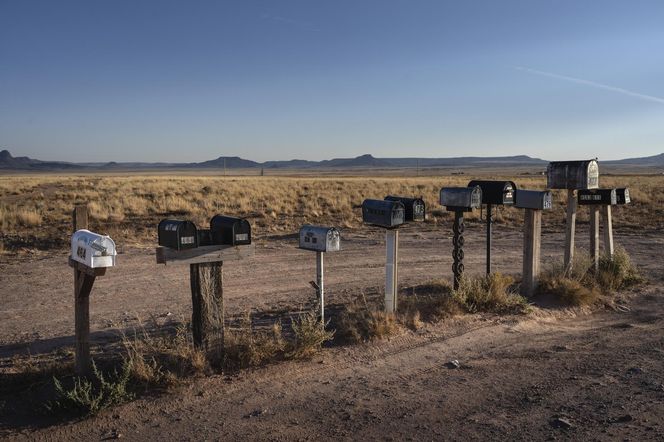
{"type": "Point", "coordinates": [554, 374]}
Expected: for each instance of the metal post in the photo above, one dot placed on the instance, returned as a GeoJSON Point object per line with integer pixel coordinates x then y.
{"type": "Point", "coordinates": [489, 220]}
{"type": "Point", "coordinates": [321, 285]}
{"type": "Point", "coordinates": [391, 270]}
{"type": "Point", "coordinates": [570, 228]}
{"type": "Point", "coordinates": [457, 240]}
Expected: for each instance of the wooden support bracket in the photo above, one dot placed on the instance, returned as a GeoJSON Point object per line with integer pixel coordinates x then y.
{"type": "Point", "coordinates": [206, 254]}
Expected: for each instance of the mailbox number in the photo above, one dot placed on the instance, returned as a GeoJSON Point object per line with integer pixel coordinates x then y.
{"type": "Point", "coordinates": [187, 240]}
{"type": "Point", "coordinates": [242, 237]}
{"type": "Point", "coordinates": [80, 252]}
{"type": "Point", "coordinates": [547, 203]}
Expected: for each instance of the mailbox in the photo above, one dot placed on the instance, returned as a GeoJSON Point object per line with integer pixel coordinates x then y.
{"type": "Point", "coordinates": [205, 237]}
{"type": "Point", "coordinates": [603, 197]}
{"type": "Point", "coordinates": [415, 209]}
{"type": "Point", "coordinates": [622, 196]}
{"type": "Point", "coordinates": [92, 249]}
{"type": "Point", "coordinates": [496, 192]}
{"type": "Point", "coordinates": [461, 198]}
{"type": "Point", "coordinates": [533, 199]}
{"type": "Point", "coordinates": [228, 230]}
{"type": "Point", "coordinates": [383, 213]}
{"type": "Point", "coordinates": [319, 238]}
{"type": "Point", "coordinates": [572, 175]}
{"type": "Point", "coordinates": [177, 234]}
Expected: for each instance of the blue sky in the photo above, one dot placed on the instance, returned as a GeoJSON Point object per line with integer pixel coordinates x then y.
{"type": "Point", "coordinates": [129, 80]}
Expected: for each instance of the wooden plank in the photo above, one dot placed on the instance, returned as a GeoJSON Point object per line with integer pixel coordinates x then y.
{"type": "Point", "coordinates": [206, 254]}
{"type": "Point", "coordinates": [608, 231]}
{"type": "Point", "coordinates": [391, 277]}
{"type": "Point", "coordinates": [207, 296]}
{"type": "Point", "coordinates": [594, 235]}
{"type": "Point", "coordinates": [320, 282]}
{"type": "Point", "coordinates": [80, 217]}
{"type": "Point", "coordinates": [83, 282]}
{"type": "Point", "coordinates": [570, 227]}
{"type": "Point", "coordinates": [532, 239]}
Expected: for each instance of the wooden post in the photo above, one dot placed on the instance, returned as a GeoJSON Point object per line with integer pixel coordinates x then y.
{"type": "Point", "coordinates": [532, 237]}
{"type": "Point", "coordinates": [391, 270]}
{"type": "Point", "coordinates": [594, 235]}
{"type": "Point", "coordinates": [82, 286]}
{"type": "Point", "coordinates": [207, 319]}
{"type": "Point", "coordinates": [608, 231]}
{"type": "Point", "coordinates": [570, 227]}
{"type": "Point", "coordinates": [320, 285]}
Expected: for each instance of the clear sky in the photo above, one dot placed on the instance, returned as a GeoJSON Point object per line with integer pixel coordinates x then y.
{"type": "Point", "coordinates": [131, 80]}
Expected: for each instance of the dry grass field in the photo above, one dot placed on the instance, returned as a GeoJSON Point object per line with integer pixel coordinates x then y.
{"type": "Point", "coordinates": [35, 210]}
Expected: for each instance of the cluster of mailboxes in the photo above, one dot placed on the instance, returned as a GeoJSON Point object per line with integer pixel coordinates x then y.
{"type": "Point", "coordinates": [393, 211]}
{"type": "Point", "coordinates": [92, 249]}
{"type": "Point", "coordinates": [320, 238]}
{"type": "Point", "coordinates": [224, 230]}
{"type": "Point", "coordinates": [496, 192]}
{"type": "Point", "coordinates": [604, 197]}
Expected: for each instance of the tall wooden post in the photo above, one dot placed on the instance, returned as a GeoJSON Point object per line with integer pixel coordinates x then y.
{"type": "Point", "coordinates": [532, 240]}
{"type": "Point", "coordinates": [391, 270]}
{"type": "Point", "coordinates": [570, 227]}
{"type": "Point", "coordinates": [320, 285]}
{"type": "Point", "coordinates": [82, 286]}
{"type": "Point", "coordinates": [608, 231]}
{"type": "Point", "coordinates": [207, 319]}
{"type": "Point", "coordinates": [594, 235]}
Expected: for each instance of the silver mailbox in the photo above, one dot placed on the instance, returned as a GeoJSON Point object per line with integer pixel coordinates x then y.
{"type": "Point", "coordinates": [320, 238]}
{"type": "Point", "coordinates": [92, 249]}
{"type": "Point", "coordinates": [461, 198]}
{"type": "Point", "coordinates": [572, 175]}
{"type": "Point", "coordinates": [534, 199]}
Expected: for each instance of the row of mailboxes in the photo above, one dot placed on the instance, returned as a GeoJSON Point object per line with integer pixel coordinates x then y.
{"type": "Point", "coordinates": [461, 198]}
{"type": "Point", "coordinates": [224, 230]}
{"type": "Point", "coordinates": [383, 213]}
{"type": "Point", "coordinates": [604, 197]}
{"type": "Point", "coordinates": [320, 239]}
{"type": "Point", "coordinates": [496, 192]}
{"type": "Point", "coordinates": [572, 175]}
{"type": "Point", "coordinates": [414, 208]}
{"type": "Point", "coordinates": [92, 249]}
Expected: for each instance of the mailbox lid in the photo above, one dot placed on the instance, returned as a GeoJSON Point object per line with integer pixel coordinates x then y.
{"type": "Point", "coordinates": [320, 238]}
{"type": "Point", "coordinates": [415, 208]}
{"type": "Point", "coordinates": [383, 213]}
{"type": "Point", "coordinates": [573, 174]}
{"type": "Point", "coordinates": [461, 198]}
{"type": "Point", "coordinates": [496, 192]}
{"type": "Point", "coordinates": [533, 199]}
{"type": "Point", "coordinates": [604, 197]}
{"type": "Point", "coordinates": [92, 249]}
{"type": "Point", "coordinates": [229, 230]}
{"type": "Point", "coordinates": [622, 196]}
{"type": "Point", "coordinates": [177, 234]}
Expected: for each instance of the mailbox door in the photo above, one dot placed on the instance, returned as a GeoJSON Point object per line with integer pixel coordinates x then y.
{"type": "Point", "coordinates": [333, 240]}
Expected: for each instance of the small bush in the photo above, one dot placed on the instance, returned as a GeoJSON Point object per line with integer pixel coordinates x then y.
{"type": "Point", "coordinates": [430, 302]}
{"type": "Point", "coordinates": [310, 335]}
{"type": "Point", "coordinates": [567, 290]}
{"type": "Point", "coordinates": [617, 272]}
{"type": "Point", "coordinates": [245, 347]}
{"type": "Point", "coordinates": [490, 293]}
{"type": "Point", "coordinates": [92, 396]}
{"type": "Point", "coordinates": [361, 323]}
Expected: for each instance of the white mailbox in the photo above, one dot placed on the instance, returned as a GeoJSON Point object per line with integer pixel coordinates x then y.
{"type": "Point", "coordinates": [92, 249]}
{"type": "Point", "coordinates": [320, 239]}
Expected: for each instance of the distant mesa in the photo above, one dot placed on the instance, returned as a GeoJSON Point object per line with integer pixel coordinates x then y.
{"type": "Point", "coordinates": [367, 161]}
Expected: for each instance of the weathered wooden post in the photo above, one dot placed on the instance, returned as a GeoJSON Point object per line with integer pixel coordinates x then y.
{"type": "Point", "coordinates": [459, 200]}
{"type": "Point", "coordinates": [572, 176]}
{"type": "Point", "coordinates": [594, 235]}
{"type": "Point", "coordinates": [533, 202]}
{"type": "Point", "coordinates": [205, 251]}
{"type": "Point", "coordinates": [596, 199]}
{"type": "Point", "coordinates": [90, 255]}
{"type": "Point", "coordinates": [608, 231]}
{"type": "Point", "coordinates": [388, 215]}
{"type": "Point", "coordinates": [494, 193]}
{"type": "Point", "coordinates": [320, 240]}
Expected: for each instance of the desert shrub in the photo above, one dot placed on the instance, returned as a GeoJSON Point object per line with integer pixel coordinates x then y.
{"type": "Point", "coordinates": [489, 293]}
{"type": "Point", "coordinates": [430, 302]}
{"type": "Point", "coordinates": [567, 290]}
{"type": "Point", "coordinates": [245, 347]}
{"type": "Point", "coordinates": [310, 335]}
{"type": "Point", "coordinates": [359, 322]}
{"type": "Point", "coordinates": [90, 396]}
{"type": "Point", "coordinates": [617, 272]}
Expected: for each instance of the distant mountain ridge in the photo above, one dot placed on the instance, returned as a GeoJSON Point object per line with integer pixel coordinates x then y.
{"type": "Point", "coordinates": [8, 162]}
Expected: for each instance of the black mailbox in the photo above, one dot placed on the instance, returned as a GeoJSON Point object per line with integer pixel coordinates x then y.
{"type": "Point", "coordinates": [572, 175]}
{"type": "Point", "coordinates": [622, 196]}
{"type": "Point", "coordinates": [461, 198]}
{"type": "Point", "coordinates": [415, 209]}
{"type": "Point", "coordinates": [204, 237]}
{"type": "Point", "coordinates": [178, 235]}
{"type": "Point", "coordinates": [603, 197]}
{"type": "Point", "coordinates": [230, 231]}
{"type": "Point", "coordinates": [383, 213]}
{"type": "Point", "coordinates": [533, 199]}
{"type": "Point", "coordinates": [496, 192]}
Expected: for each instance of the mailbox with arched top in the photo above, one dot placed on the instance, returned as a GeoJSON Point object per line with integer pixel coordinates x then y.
{"type": "Point", "coordinates": [461, 198]}
{"type": "Point", "coordinates": [92, 249]}
{"type": "Point", "coordinates": [320, 238]}
{"type": "Point", "coordinates": [622, 196]}
{"type": "Point", "coordinates": [415, 209]}
{"type": "Point", "coordinates": [572, 175]}
{"type": "Point", "coordinates": [533, 199]}
{"type": "Point", "coordinates": [598, 197]}
{"type": "Point", "coordinates": [229, 230]}
{"type": "Point", "coordinates": [382, 213]}
{"type": "Point", "coordinates": [496, 192]}
{"type": "Point", "coordinates": [177, 234]}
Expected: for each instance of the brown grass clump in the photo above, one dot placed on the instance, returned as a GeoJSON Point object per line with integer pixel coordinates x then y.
{"type": "Point", "coordinates": [310, 335]}
{"type": "Point", "coordinates": [245, 347]}
{"type": "Point", "coordinates": [490, 293]}
{"type": "Point", "coordinates": [359, 322]}
{"type": "Point", "coordinates": [617, 272]}
{"type": "Point", "coordinates": [430, 302]}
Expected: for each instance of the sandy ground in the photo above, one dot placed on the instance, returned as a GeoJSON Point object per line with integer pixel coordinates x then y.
{"type": "Point", "coordinates": [601, 373]}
